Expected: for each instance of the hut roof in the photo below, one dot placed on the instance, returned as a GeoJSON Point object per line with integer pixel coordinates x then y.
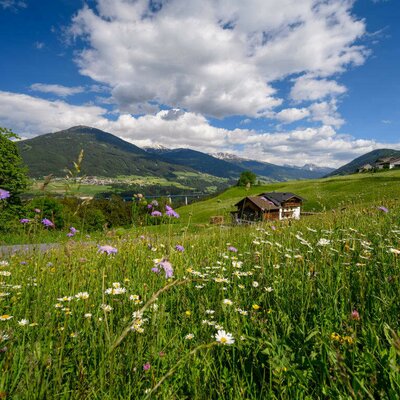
{"type": "Point", "coordinates": [278, 198]}
{"type": "Point", "coordinates": [262, 203]}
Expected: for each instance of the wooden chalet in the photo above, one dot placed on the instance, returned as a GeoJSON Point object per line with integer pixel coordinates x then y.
{"type": "Point", "coordinates": [267, 207]}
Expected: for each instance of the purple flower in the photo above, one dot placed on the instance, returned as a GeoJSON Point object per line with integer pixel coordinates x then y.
{"type": "Point", "coordinates": [149, 206]}
{"type": "Point", "coordinates": [179, 247]}
{"type": "Point", "coordinates": [232, 249]}
{"type": "Point", "coordinates": [156, 214]}
{"type": "Point", "coordinates": [37, 210]}
{"type": "Point", "coordinates": [167, 267]}
{"type": "Point", "coordinates": [24, 221]}
{"type": "Point", "coordinates": [4, 194]}
{"type": "Point", "coordinates": [171, 213]}
{"type": "Point", "coordinates": [146, 366]}
{"type": "Point", "coordinates": [107, 249]}
{"type": "Point", "coordinates": [168, 208]}
{"type": "Point", "coordinates": [73, 230]}
{"type": "Point", "coordinates": [70, 234]}
{"type": "Point", "coordinates": [47, 222]}
{"type": "Point", "coordinates": [155, 270]}
{"type": "Point", "coordinates": [273, 227]}
{"type": "Point", "coordinates": [384, 209]}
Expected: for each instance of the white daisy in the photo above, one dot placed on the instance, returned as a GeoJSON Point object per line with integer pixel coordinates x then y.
{"type": "Point", "coordinates": [225, 338]}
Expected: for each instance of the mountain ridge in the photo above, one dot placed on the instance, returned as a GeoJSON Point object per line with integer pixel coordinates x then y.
{"type": "Point", "coordinates": [110, 156]}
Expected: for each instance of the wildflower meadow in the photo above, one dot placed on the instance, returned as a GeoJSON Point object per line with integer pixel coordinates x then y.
{"type": "Point", "coordinates": [306, 311]}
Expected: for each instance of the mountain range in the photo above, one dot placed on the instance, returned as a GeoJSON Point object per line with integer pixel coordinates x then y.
{"type": "Point", "coordinates": [106, 155]}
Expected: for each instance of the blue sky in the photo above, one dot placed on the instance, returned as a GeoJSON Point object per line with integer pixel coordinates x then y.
{"type": "Point", "coordinates": [284, 81]}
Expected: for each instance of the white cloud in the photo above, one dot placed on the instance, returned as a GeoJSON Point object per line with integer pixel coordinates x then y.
{"type": "Point", "coordinates": [326, 112]}
{"type": "Point", "coordinates": [307, 88]}
{"type": "Point", "coordinates": [13, 5]}
{"type": "Point", "coordinates": [29, 116]}
{"type": "Point", "coordinates": [59, 90]}
{"type": "Point", "coordinates": [290, 115]}
{"type": "Point", "coordinates": [321, 146]}
{"type": "Point", "coordinates": [217, 57]}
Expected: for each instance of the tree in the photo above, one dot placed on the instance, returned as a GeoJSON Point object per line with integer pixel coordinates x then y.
{"type": "Point", "coordinates": [247, 178]}
{"type": "Point", "coordinates": [13, 173]}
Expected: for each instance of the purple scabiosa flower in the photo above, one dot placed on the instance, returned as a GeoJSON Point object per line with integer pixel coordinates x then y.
{"type": "Point", "coordinates": [146, 366]}
{"type": "Point", "coordinates": [171, 213]}
{"type": "Point", "coordinates": [107, 249]}
{"type": "Point", "coordinates": [24, 221]}
{"type": "Point", "coordinates": [384, 209]}
{"type": "Point", "coordinates": [179, 247]}
{"type": "Point", "coordinates": [232, 249]}
{"type": "Point", "coordinates": [4, 194]}
{"type": "Point", "coordinates": [70, 234]}
{"type": "Point", "coordinates": [149, 206]}
{"type": "Point", "coordinates": [73, 230]}
{"type": "Point", "coordinates": [155, 270]}
{"type": "Point", "coordinates": [273, 227]}
{"type": "Point", "coordinates": [156, 214]}
{"type": "Point", "coordinates": [46, 222]}
{"type": "Point", "coordinates": [167, 267]}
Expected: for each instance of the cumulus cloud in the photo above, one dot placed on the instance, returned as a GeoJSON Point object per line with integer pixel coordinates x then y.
{"type": "Point", "coordinates": [217, 57]}
{"type": "Point", "coordinates": [307, 88]}
{"type": "Point", "coordinates": [327, 113]}
{"type": "Point", "coordinates": [59, 90]}
{"type": "Point", "coordinates": [321, 146]}
{"type": "Point", "coordinates": [29, 116]}
{"type": "Point", "coordinates": [290, 115]}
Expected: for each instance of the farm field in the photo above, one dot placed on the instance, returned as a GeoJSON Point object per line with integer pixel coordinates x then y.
{"type": "Point", "coordinates": [267, 312]}
{"type": "Point", "coordinates": [186, 181]}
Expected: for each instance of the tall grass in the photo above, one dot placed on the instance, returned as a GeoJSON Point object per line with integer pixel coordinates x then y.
{"type": "Point", "coordinates": [313, 308]}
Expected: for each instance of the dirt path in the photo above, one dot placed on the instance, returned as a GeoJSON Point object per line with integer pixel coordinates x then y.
{"type": "Point", "coordinates": [27, 248]}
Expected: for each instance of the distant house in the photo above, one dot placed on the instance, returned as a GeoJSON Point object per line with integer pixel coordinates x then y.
{"type": "Point", "coordinates": [268, 206]}
{"type": "Point", "coordinates": [388, 163]}
{"type": "Point", "coordinates": [365, 168]}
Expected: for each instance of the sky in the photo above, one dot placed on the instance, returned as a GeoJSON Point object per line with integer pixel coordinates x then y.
{"type": "Point", "coordinates": [283, 81]}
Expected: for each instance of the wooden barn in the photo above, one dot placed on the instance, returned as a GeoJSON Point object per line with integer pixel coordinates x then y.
{"type": "Point", "coordinates": [268, 206]}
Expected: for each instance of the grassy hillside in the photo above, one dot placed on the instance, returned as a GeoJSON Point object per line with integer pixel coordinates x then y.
{"type": "Point", "coordinates": [308, 311]}
{"type": "Point", "coordinates": [320, 195]}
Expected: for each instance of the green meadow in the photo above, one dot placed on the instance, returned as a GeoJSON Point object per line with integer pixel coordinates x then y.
{"type": "Point", "coordinates": [320, 194]}
{"type": "Point", "coordinates": [302, 311]}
